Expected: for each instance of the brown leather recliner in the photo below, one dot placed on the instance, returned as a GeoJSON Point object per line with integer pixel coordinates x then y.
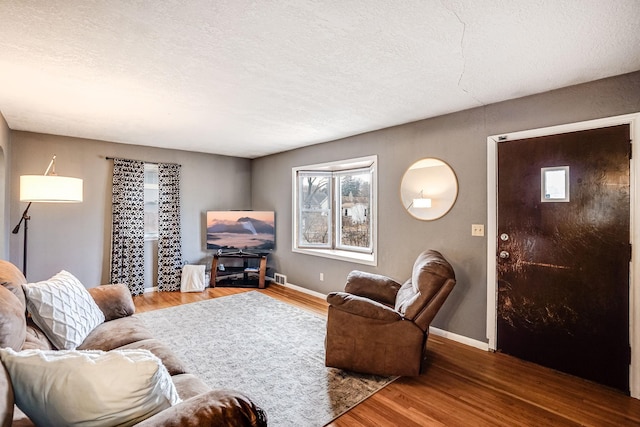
{"type": "Point", "coordinates": [378, 326]}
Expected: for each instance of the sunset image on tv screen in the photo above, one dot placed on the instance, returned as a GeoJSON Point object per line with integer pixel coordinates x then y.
{"type": "Point", "coordinates": [241, 230]}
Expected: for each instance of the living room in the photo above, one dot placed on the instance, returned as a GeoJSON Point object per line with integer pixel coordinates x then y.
{"type": "Point", "coordinates": [76, 237]}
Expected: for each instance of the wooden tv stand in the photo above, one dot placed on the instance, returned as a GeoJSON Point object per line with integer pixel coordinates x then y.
{"type": "Point", "coordinates": [239, 275]}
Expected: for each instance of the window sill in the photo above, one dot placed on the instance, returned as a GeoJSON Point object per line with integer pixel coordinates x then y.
{"type": "Point", "coordinates": [357, 257]}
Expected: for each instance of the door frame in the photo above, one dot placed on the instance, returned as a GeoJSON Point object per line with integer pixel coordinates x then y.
{"type": "Point", "coordinates": [634, 192]}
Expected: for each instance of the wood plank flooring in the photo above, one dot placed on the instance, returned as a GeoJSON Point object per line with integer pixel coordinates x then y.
{"type": "Point", "coordinates": [461, 386]}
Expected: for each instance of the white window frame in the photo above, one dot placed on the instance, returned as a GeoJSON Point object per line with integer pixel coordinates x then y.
{"type": "Point", "coordinates": [335, 251]}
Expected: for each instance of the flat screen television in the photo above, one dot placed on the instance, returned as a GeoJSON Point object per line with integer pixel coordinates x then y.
{"type": "Point", "coordinates": [246, 231]}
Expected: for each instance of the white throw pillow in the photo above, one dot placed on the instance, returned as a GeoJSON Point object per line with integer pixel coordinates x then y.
{"type": "Point", "coordinates": [89, 388]}
{"type": "Point", "coordinates": [63, 309]}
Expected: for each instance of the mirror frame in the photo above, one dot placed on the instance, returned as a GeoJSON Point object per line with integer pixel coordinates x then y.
{"type": "Point", "coordinates": [439, 191]}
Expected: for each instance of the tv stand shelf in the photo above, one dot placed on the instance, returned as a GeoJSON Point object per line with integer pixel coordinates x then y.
{"type": "Point", "coordinates": [252, 272]}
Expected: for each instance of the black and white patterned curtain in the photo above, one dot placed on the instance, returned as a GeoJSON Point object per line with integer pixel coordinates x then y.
{"type": "Point", "coordinates": [127, 234]}
{"type": "Point", "coordinates": [169, 246]}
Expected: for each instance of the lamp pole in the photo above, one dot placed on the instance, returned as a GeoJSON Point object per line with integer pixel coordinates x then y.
{"type": "Point", "coordinates": [25, 217]}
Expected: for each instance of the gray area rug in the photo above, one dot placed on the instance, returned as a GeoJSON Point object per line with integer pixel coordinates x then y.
{"type": "Point", "coordinates": [267, 349]}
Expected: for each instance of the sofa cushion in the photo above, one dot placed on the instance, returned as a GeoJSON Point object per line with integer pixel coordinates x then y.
{"type": "Point", "coordinates": [36, 339]}
{"type": "Point", "coordinates": [189, 385]}
{"type": "Point", "coordinates": [63, 309]}
{"type": "Point", "coordinates": [89, 388]}
{"type": "Point", "coordinates": [213, 408]}
{"type": "Point", "coordinates": [116, 333]}
{"type": "Point", "coordinates": [114, 300]}
{"type": "Point", "coordinates": [162, 351]}
{"type": "Point", "coordinates": [13, 325]}
{"type": "Point", "coordinates": [361, 306]}
{"type": "Point", "coordinates": [13, 279]}
{"type": "Point", "coordinates": [373, 286]}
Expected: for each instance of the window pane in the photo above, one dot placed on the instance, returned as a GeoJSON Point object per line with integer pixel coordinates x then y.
{"type": "Point", "coordinates": [314, 210]}
{"type": "Point", "coordinates": [355, 208]}
{"type": "Point", "coordinates": [314, 228]}
{"type": "Point", "coordinates": [151, 198]}
{"type": "Point", "coordinates": [555, 184]}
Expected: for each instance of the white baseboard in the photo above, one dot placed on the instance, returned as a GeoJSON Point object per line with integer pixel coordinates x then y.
{"type": "Point", "coordinates": [152, 289]}
{"type": "Point", "coordinates": [303, 290]}
{"type": "Point", "coordinates": [459, 338]}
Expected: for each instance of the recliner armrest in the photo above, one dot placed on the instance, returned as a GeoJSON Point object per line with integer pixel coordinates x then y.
{"type": "Point", "coordinates": [213, 408]}
{"type": "Point", "coordinates": [361, 306]}
{"type": "Point", "coordinates": [373, 286]}
{"type": "Point", "coordinates": [114, 300]}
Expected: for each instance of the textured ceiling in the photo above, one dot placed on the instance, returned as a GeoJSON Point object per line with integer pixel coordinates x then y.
{"type": "Point", "coordinates": [249, 78]}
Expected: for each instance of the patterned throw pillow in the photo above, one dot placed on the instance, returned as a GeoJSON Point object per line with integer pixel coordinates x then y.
{"type": "Point", "coordinates": [63, 309]}
{"type": "Point", "coordinates": [90, 388]}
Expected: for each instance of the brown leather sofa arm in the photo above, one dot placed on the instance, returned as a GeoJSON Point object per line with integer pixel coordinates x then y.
{"type": "Point", "coordinates": [373, 286]}
{"type": "Point", "coordinates": [114, 300]}
{"type": "Point", "coordinates": [361, 306]}
{"type": "Point", "coordinates": [214, 408]}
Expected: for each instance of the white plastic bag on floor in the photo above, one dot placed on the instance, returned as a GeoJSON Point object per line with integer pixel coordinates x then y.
{"type": "Point", "coordinates": [193, 279]}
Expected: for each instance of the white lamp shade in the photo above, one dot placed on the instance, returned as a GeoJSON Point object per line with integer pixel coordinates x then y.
{"type": "Point", "coordinates": [50, 188]}
{"type": "Point", "coordinates": [422, 202]}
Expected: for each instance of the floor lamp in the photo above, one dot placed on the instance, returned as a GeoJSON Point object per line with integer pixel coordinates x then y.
{"type": "Point", "coordinates": [47, 188]}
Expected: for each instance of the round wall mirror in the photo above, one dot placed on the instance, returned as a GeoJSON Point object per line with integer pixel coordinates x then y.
{"type": "Point", "coordinates": [429, 189]}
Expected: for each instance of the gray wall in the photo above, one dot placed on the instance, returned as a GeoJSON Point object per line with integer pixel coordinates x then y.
{"type": "Point", "coordinates": [4, 180]}
{"type": "Point", "coordinates": [76, 237]}
{"type": "Point", "coordinates": [460, 139]}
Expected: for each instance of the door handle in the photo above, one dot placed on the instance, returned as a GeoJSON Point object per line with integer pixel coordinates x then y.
{"type": "Point", "coordinates": [504, 254]}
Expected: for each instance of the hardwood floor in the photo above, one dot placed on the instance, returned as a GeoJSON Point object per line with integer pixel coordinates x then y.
{"type": "Point", "coordinates": [461, 386]}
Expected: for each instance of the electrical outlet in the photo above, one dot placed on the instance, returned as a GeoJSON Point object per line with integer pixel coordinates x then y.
{"type": "Point", "coordinates": [477, 230]}
{"type": "Point", "coordinates": [322, 277]}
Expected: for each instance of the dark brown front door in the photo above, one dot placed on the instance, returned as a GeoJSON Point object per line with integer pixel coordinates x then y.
{"type": "Point", "coordinates": [563, 265]}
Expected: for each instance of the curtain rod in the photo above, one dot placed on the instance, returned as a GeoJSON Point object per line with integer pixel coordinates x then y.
{"type": "Point", "coordinates": [143, 161]}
